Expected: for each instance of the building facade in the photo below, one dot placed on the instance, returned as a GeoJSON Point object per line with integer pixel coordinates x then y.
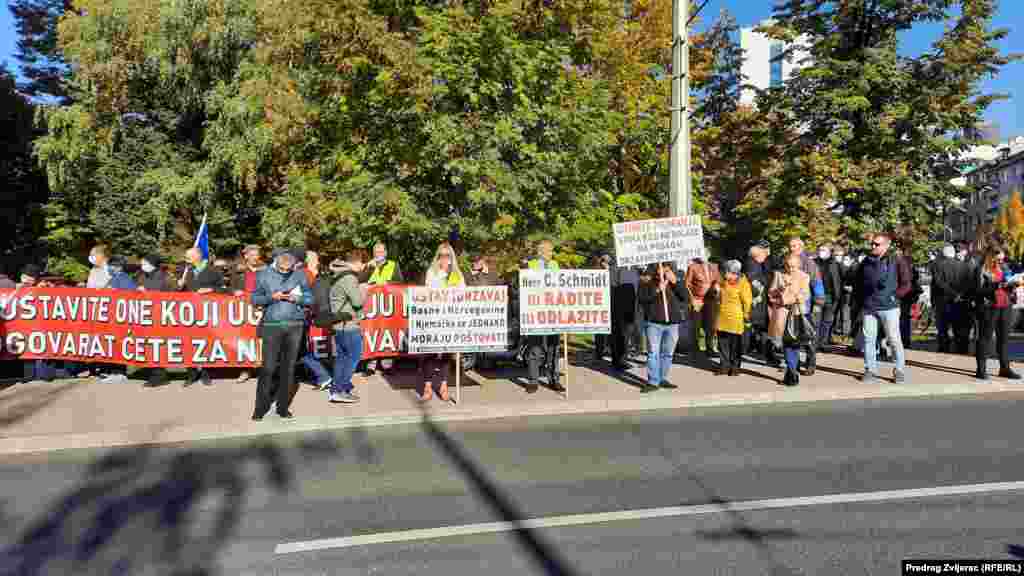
{"type": "Point", "coordinates": [763, 63]}
{"type": "Point", "coordinates": [993, 179]}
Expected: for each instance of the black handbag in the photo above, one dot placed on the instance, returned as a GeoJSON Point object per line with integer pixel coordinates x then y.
{"type": "Point", "coordinates": [799, 330]}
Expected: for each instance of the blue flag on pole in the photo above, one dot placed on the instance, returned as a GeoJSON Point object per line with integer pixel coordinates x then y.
{"type": "Point", "coordinates": [203, 240]}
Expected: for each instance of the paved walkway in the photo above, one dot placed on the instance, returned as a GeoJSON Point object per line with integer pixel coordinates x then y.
{"type": "Point", "coordinates": [66, 414]}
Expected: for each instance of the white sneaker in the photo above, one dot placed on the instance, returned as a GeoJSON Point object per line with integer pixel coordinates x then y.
{"type": "Point", "coordinates": [327, 384]}
{"type": "Point", "coordinates": [115, 378]}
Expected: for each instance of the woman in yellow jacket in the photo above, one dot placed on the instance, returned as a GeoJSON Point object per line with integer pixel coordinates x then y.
{"type": "Point", "coordinates": [734, 304]}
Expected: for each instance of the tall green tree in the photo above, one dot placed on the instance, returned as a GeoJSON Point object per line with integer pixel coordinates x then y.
{"type": "Point", "coordinates": [878, 132]}
{"type": "Point", "coordinates": [42, 64]}
{"type": "Point", "coordinates": [24, 191]}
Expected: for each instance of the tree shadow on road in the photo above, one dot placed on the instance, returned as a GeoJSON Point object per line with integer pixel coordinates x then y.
{"type": "Point", "coordinates": [740, 526]}
{"type": "Point", "coordinates": [544, 555]}
{"type": "Point", "coordinates": [162, 510]}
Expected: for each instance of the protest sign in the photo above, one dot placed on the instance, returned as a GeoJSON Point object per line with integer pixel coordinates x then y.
{"type": "Point", "coordinates": [678, 239]}
{"type": "Point", "coordinates": [458, 319]}
{"type": "Point", "coordinates": [125, 327]}
{"type": "Point", "coordinates": [167, 329]}
{"type": "Point", "coordinates": [564, 302]}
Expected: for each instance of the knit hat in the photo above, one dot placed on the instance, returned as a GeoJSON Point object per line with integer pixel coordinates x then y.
{"type": "Point", "coordinates": [733, 267]}
{"type": "Point", "coordinates": [763, 244]}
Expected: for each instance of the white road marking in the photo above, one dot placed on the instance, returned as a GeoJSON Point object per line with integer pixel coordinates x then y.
{"type": "Point", "coordinates": [643, 514]}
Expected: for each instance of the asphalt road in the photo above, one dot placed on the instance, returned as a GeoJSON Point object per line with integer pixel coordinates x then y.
{"type": "Point", "coordinates": [265, 506]}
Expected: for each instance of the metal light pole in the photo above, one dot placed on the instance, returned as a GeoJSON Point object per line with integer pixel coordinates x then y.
{"type": "Point", "coordinates": [679, 161]}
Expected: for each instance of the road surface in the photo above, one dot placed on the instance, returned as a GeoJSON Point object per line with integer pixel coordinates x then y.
{"type": "Point", "coordinates": [822, 488]}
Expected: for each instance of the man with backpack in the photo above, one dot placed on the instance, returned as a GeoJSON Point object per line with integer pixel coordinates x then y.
{"type": "Point", "coordinates": [346, 298]}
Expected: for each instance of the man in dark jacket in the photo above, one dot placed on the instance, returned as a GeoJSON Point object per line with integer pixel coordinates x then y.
{"type": "Point", "coordinates": [832, 279]}
{"type": "Point", "coordinates": [623, 311]}
{"type": "Point", "coordinates": [200, 278]}
{"type": "Point", "coordinates": [284, 294]}
{"type": "Point", "coordinates": [909, 290]}
{"type": "Point", "coordinates": [945, 290]}
{"type": "Point", "coordinates": [152, 278]}
{"type": "Point", "coordinates": [119, 279]}
{"type": "Point", "coordinates": [875, 288]}
{"type": "Point", "coordinates": [662, 299]}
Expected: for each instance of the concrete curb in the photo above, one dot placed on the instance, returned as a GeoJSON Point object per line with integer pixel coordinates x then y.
{"type": "Point", "coordinates": [165, 433]}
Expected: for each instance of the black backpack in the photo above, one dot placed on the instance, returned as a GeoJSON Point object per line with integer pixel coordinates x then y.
{"type": "Point", "coordinates": [322, 316]}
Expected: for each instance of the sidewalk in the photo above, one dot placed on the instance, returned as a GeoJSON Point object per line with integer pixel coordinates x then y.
{"type": "Point", "coordinates": [40, 416]}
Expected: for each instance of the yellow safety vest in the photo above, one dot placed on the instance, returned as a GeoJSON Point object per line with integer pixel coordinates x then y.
{"type": "Point", "coordinates": [382, 274]}
{"type": "Point", "coordinates": [454, 280]}
{"type": "Point", "coordinates": [535, 265]}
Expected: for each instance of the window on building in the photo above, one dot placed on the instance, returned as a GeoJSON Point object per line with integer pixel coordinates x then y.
{"type": "Point", "coordinates": [776, 65]}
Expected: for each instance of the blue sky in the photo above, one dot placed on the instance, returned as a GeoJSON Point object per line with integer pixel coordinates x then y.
{"type": "Point", "coordinates": [1009, 114]}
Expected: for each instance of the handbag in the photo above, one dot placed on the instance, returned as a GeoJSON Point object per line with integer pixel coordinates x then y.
{"type": "Point", "coordinates": [799, 330]}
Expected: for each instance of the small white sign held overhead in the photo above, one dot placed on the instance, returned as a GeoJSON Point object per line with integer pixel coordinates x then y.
{"type": "Point", "coordinates": [678, 239]}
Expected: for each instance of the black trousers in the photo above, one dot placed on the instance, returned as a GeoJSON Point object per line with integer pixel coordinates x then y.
{"type": "Point", "coordinates": [620, 329]}
{"type": "Point", "coordinates": [706, 318]}
{"type": "Point", "coordinates": [905, 321]}
{"type": "Point", "coordinates": [281, 345]}
{"type": "Point", "coordinates": [812, 346]}
{"type": "Point", "coordinates": [600, 345]}
{"type": "Point", "coordinates": [991, 320]}
{"type": "Point", "coordinates": [542, 353]}
{"type": "Point", "coordinates": [963, 323]}
{"type": "Point", "coordinates": [730, 350]}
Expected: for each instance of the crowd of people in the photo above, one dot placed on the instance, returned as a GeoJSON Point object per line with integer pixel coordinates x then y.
{"type": "Point", "coordinates": [783, 312]}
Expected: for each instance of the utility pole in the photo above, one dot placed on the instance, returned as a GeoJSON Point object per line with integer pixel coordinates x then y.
{"type": "Point", "coordinates": [679, 161]}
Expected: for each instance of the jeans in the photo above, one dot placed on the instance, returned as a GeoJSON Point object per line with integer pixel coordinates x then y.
{"type": "Point", "coordinates": [828, 317]}
{"type": "Point", "coordinates": [348, 349]}
{"type": "Point", "coordinates": [792, 358]}
{"type": "Point", "coordinates": [661, 338]}
{"type": "Point", "coordinates": [320, 374]}
{"type": "Point", "coordinates": [281, 345]}
{"type": "Point", "coordinates": [890, 319]}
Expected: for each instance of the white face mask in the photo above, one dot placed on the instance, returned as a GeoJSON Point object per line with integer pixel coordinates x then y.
{"type": "Point", "coordinates": [824, 254]}
{"type": "Point", "coordinates": [92, 259]}
{"type": "Point", "coordinates": [147, 267]}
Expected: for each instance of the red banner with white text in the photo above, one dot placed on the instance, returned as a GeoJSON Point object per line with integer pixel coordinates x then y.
{"type": "Point", "coordinates": [168, 329]}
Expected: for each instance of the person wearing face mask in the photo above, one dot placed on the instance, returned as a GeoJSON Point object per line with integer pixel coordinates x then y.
{"type": "Point", "coordinates": [99, 276]}
{"type": "Point", "coordinates": [151, 277]}
{"type": "Point", "coordinates": [119, 279]}
{"type": "Point", "coordinates": [832, 279]}
{"type": "Point", "coordinates": [284, 294]}
{"type": "Point", "coordinates": [944, 291]}
{"type": "Point", "coordinates": [993, 290]}
{"type": "Point", "coordinates": [841, 325]}
{"type": "Point", "coordinates": [542, 351]}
